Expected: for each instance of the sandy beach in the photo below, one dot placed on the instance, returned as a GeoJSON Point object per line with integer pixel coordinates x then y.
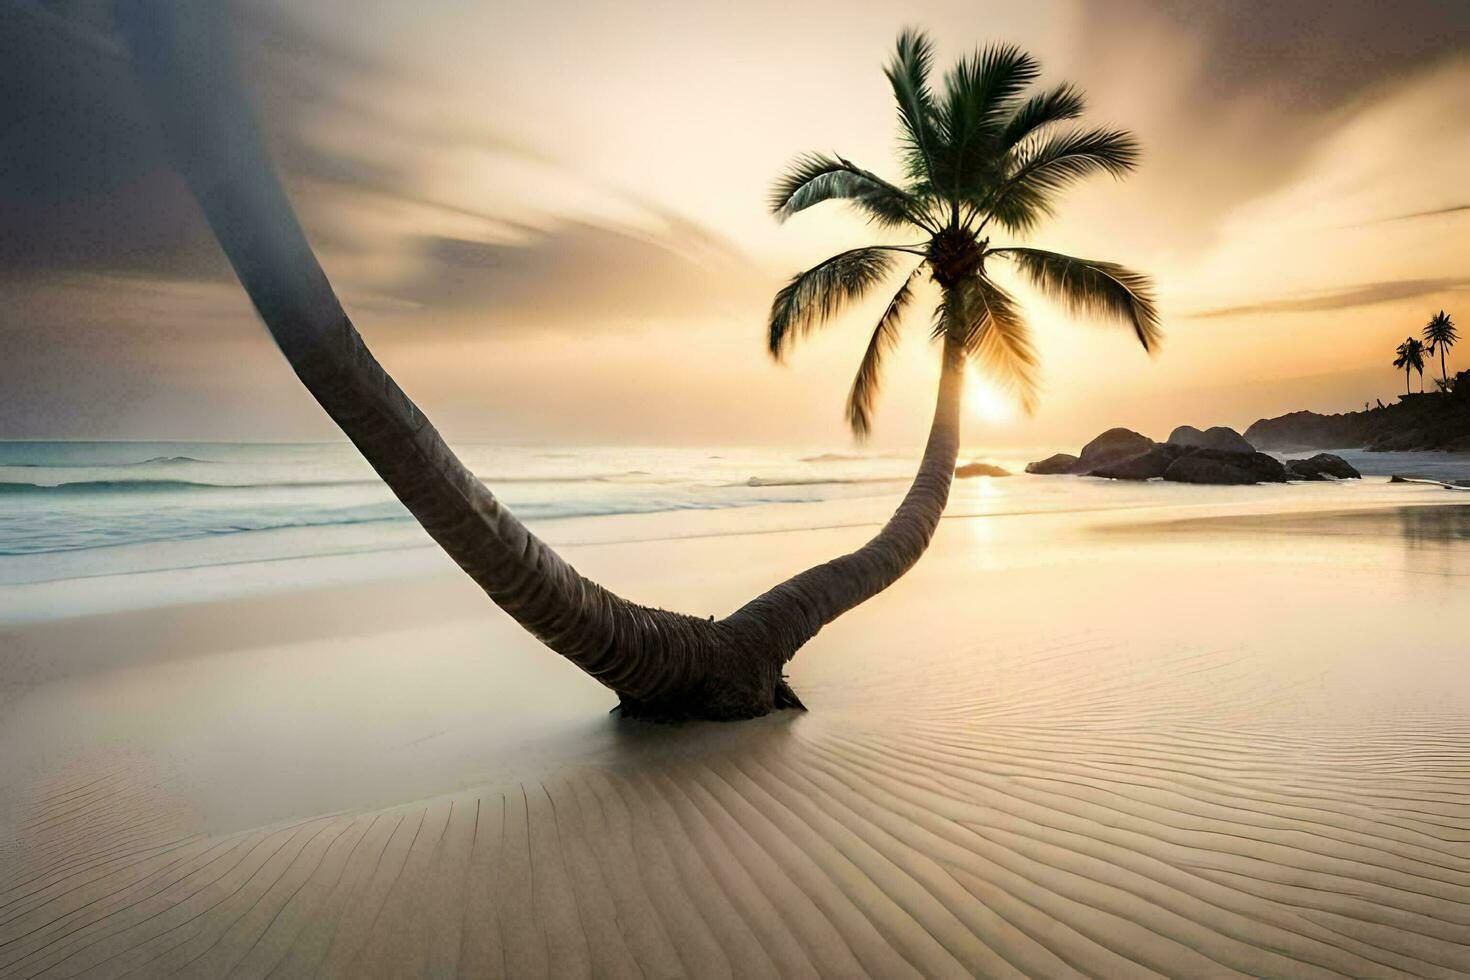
{"type": "Point", "coordinates": [1157, 730]}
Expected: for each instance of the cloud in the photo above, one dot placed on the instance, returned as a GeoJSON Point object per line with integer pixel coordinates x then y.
{"type": "Point", "coordinates": [576, 273]}
{"type": "Point", "coordinates": [1343, 299]}
{"type": "Point", "coordinates": [1312, 58]}
{"type": "Point", "coordinates": [86, 187]}
{"type": "Point", "coordinates": [83, 184]}
{"type": "Point", "coordinates": [1432, 213]}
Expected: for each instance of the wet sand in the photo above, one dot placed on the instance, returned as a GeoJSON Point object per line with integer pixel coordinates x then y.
{"type": "Point", "coordinates": [1203, 734]}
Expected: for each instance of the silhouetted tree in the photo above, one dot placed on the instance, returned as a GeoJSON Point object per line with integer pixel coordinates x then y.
{"type": "Point", "coordinates": [1410, 358]}
{"type": "Point", "coordinates": [981, 153]}
{"type": "Point", "coordinates": [1440, 334]}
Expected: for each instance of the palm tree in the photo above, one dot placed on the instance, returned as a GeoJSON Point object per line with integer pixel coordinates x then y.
{"type": "Point", "coordinates": [1410, 358]}
{"type": "Point", "coordinates": [660, 663]}
{"type": "Point", "coordinates": [1441, 335]}
{"type": "Point", "coordinates": [981, 152]}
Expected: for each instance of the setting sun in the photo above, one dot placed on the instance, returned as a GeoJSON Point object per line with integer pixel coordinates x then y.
{"type": "Point", "coordinates": [983, 402]}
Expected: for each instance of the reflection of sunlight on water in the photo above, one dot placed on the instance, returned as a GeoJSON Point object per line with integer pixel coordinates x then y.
{"type": "Point", "coordinates": [985, 486]}
{"type": "Point", "coordinates": [981, 537]}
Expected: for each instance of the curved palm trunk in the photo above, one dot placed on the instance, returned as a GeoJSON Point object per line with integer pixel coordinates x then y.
{"type": "Point", "coordinates": [797, 608]}
{"type": "Point", "coordinates": [660, 663]}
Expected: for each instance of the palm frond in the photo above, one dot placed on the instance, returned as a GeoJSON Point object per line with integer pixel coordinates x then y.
{"type": "Point", "coordinates": [1043, 109]}
{"type": "Point", "coordinates": [1044, 165]}
{"type": "Point", "coordinates": [986, 321]}
{"type": "Point", "coordinates": [1440, 331]}
{"type": "Point", "coordinates": [865, 385]}
{"type": "Point", "coordinates": [813, 178]}
{"type": "Point", "coordinates": [1101, 289]}
{"type": "Point", "coordinates": [980, 94]}
{"type": "Point", "coordinates": [1410, 354]}
{"type": "Point", "coordinates": [814, 295]}
{"type": "Point", "coordinates": [908, 73]}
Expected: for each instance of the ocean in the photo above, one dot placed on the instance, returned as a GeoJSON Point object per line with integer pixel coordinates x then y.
{"type": "Point", "coordinates": [95, 526]}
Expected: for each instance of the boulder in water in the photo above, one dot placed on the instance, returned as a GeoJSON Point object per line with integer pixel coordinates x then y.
{"type": "Point", "coordinates": [980, 469]}
{"type": "Point", "coordinates": [1322, 466]}
{"type": "Point", "coordinates": [1052, 465]}
{"type": "Point", "coordinates": [1225, 468]}
{"type": "Point", "coordinates": [1148, 465]}
{"type": "Point", "coordinates": [1112, 446]}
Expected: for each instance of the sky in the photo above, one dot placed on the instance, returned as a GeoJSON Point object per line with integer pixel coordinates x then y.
{"type": "Point", "coordinates": [548, 219]}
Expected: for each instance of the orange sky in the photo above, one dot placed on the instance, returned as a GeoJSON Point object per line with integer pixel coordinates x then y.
{"type": "Point", "coordinates": [548, 219]}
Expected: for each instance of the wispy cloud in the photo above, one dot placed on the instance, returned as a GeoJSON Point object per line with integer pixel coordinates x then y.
{"type": "Point", "coordinates": [1432, 213]}
{"type": "Point", "coordinates": [1342, 299]}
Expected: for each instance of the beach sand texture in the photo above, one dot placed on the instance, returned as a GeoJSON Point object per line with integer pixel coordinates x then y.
{"type": "Point", "coordinates": [1172, 739]}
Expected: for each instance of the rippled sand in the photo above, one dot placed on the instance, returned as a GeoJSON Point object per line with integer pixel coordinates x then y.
{"type": "Point", "coordinates": [1170, 739]}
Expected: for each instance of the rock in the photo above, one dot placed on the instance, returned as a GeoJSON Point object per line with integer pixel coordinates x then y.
{"type": "Point", "coordinates": [1186, 435]}
{"type": "Point", "coordinates": [1219, 437]}
{"type": "Point", "coordinates": [1112, 445]}
{"type": "Point", "coordinates": [1216, 467]}
{"type": "Point", "coordinates": [1060, 463]}
{"type": "Point", "coordinates": [980, 469]}
{"type": "Point", "coordinates": [1321, 467]}
{"type": "Point", "coordinates": [1148, 465]}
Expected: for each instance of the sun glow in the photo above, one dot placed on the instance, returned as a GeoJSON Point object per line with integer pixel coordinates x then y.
{"type": "Point", "coordinates": [984, 402]}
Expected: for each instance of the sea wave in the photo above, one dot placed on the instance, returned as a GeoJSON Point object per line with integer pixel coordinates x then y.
{"type": "Point", "coordinates": [813, 481]}
{"type": "Point", "coordinates": [151, 461]}
{"type": "Point", "coordinates": [165, 485]}
{"type": "Point", "coordinates": [209, 525]}
{"type": "Point", "coordinates": [146, 485]}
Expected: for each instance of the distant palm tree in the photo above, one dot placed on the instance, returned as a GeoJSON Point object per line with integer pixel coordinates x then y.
{"type": "Point", "coordinates": [1410, 358]}
{"type": "Point", "coordinates": [660, 663]}
{"type": "Point", "coordinates": [1441, 335]}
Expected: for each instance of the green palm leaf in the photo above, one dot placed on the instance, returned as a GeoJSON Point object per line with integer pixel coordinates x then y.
{"type": "Point", "coordinates": [908, 73]}
{"type": "Point", "coordinates": [1101, 289]}
{"type": "Point", "coordinates": [1044, 165]}
{"type": "Point", "coordinates": [885, 335]}
{"type": "Point", "coordinates": [814, 178]}
{"type": "Point", "coordinates": [980, 95]}
{"type": "Point", "coordinates": [1041, 110]}
{"type": "Point", "coordinates": [811, 297]}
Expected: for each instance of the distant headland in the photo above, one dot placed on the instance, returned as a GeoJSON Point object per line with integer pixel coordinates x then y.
{"type": "Point", "coordinates": [1438, 420]}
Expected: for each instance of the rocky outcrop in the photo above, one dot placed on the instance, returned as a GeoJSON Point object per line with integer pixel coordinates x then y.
{"type": "Point", "coordinates": [980, 469]}
{"type": "Point", "coordinates": [1148, 465]}
{"type": "Point", "coordinates": [1308, 430]}
{"type": "Point", "coordinates": [1219, 437]}
{"type": "Point", "coordinates": [1112, 446]}
{"type": "Point", "coordinates": [1217, 455]}
{"type": "Point", "coordinates": [1054, 465]}
{"type": "Point", "coordinates": [1215, 466]}
{"type": "Point", "coordinates": [1323, 466]}
{"type": "Point", "coordinates": [1435, 421]}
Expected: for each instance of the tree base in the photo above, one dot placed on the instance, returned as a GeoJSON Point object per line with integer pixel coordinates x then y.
{"type": "Point", "coordinates": [721, 705]}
